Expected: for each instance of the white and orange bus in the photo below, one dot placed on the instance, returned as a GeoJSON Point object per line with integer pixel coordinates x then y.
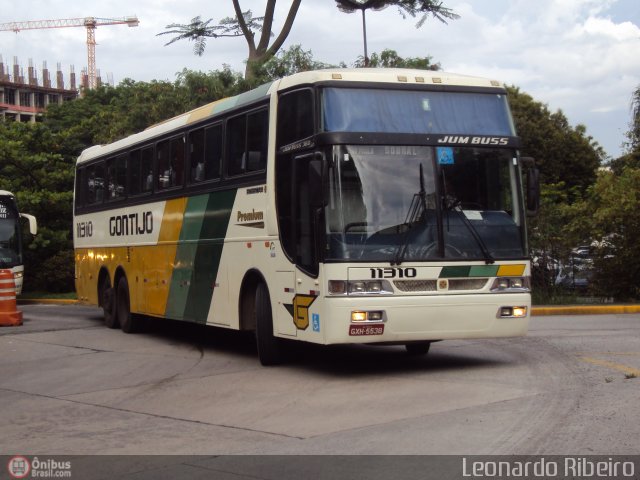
{"type": "Point", "coordinates": [11, 255]}
{"type": "Point", "coordinates": [334, 206]}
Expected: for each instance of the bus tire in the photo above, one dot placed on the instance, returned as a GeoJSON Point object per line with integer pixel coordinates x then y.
{"type": "Point", "coordinates": [107, 298]}
{"type": "Point", "coordinates": [418, 348]}
{"type": "Point", "coordinates": [129, 323]}
{"type": "Point", "coordinates": [269, 347]}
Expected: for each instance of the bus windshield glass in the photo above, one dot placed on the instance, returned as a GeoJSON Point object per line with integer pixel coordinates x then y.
{"type": "Point", "coordinates": [10, 254]}
{"type": "Point", "coordinates": [408, 203]}
{"type": "Point", "coordinates": [409, 111]}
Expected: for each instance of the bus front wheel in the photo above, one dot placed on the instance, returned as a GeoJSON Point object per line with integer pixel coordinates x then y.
{"type": "Point", "coordinates": [269, 347]}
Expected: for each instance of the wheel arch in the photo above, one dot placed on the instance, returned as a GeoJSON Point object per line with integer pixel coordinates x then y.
{"type": "Point", "coordinates": [247, 299]}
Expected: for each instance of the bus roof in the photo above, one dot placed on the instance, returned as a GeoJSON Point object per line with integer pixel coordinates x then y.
{"type": "Point", "coordinates": [397, 76]}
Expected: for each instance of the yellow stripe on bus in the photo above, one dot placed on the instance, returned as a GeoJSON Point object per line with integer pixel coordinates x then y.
{"type": "Point", "coordinates": [156, 263]}
{"type": "Point", "coordinates": [511, 270]}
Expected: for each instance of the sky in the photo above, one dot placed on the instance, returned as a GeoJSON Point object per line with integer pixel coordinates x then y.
{"type": "Point", "coordinates": [578, 56]}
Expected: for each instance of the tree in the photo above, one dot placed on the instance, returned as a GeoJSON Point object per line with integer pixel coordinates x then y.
{"type": "Point", "coordinates": [287, 62]}
{"type": "Point", "coordinates": [611, 223]}
{"type": "Point", "coordinates": [568, 160]}
{"type": "Point", "coordinates": [562, 152]}
{"type": "Point", "coordinates": [34, 166]}
{"type": "Point", "coordinates": [245, 25]}
{"type": "Point", "coordinates": [389, 58]}
{"type": "Point", "coordinates": [634, 132]}
{"type": "Point", "coordinates": [410, 7]}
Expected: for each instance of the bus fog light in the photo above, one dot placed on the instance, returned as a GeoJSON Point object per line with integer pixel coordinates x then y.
{"type": "Point", "coordinates": [358, 316]}
{"type": "Point", "coordinates": [512, 312]}
{"type": "Point", "coordinates": [369, 316]}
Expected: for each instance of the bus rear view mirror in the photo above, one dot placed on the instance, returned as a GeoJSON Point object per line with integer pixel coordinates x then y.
{"type": "Point", "coordinates": [33, 223]}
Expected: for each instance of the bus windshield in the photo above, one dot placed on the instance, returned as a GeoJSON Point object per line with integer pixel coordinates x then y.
{"type": "Point", "coordinates": [414, 203]}
{"type": "Point", "coordinates": [409, 111]}
{"type": "Point", "coordinates": [10, 251]}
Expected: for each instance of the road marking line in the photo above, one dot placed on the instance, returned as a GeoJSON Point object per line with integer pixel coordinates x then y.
{"type": "Point", "coordinates": [615, 366]}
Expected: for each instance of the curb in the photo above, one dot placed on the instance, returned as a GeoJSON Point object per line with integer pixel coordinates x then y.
{"type": "Point", "coordinates": [584, 310]}
{"type": "Point", "coordinates": [47, 301]}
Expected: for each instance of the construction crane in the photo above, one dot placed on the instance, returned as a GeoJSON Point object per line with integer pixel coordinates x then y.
{"type": "Point", "coordinates": [89, 22]}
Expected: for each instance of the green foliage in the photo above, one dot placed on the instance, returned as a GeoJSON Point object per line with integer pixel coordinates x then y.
{"type": "Point", "coordinates": [413, 8]}
{"type": "Point", "coordinates": [287, 62]}
{"type": "Point", "coordinates": [562, 152]}
{"type": "Point", "coordinates": [611, 222]}
{"type": "Point", "coordinates": [389, 58]}
{"type": "Point", "coordinates": [42, 182]}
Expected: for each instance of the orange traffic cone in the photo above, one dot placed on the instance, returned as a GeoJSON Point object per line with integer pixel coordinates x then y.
{"type": "Point", "coordinates": [9, 314]}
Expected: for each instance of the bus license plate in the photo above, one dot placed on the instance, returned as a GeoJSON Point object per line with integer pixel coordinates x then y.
{"type": "Point", "coordinates": [361, 330]}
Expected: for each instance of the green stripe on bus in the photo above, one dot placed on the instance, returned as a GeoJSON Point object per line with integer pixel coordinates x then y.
{"type": "Point", "coordinates": [484, 270]}
{"type": "Point", "coordinates": [198, 255]}
{"type": "Point", "coordinates": [455, 271]}
{"type": "Point", "coordinates": [464, 271]}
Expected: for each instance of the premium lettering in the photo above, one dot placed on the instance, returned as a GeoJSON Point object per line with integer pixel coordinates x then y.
{"type": "Point", "coordinates": [251, 216]}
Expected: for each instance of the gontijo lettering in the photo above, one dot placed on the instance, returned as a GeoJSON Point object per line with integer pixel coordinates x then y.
{"type": "Point", "coordinates": [131, 224]}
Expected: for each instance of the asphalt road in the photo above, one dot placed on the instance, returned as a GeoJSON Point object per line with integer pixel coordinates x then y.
{"type": "Point", "coordinates": [70, 386]}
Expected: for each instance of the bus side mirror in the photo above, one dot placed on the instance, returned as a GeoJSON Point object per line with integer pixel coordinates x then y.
{"type": "Point", "coordinates": [533, 185]}
{"type": "Point", "coordinates": [33, 223]}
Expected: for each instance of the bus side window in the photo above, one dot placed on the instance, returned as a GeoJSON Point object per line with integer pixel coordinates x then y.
{"type": "Point", "coordinates": [236, 140]}
{"type": "Point", "coordinates": [135, 173]}
{"type": "Point", "coordinates": [79, 191]}
{"type": "Point", "coordinates": [247, 141]}
{"type": "Point", "coordinates": [177, 162]}
{"type": "Point", "coordinates": [116, 177]}
{"type": "Point", "coordinates": [196, 155]}
{"type": "Point", "coordinates": [94, 186]}
{"type": "Point", "coordinates": [213, 151]}
{"type": "Point", "coordinates": [295, 117]}
{"type": "Point", "coordinates": [146, 170]}
{"type": "Point", "coordinates": [257, 140]}
{"type": "Point", "coordinates": [170, 155]}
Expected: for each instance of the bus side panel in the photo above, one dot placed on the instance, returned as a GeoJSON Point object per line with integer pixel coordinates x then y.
{"type": "Point", "coordinates": [198, 255]}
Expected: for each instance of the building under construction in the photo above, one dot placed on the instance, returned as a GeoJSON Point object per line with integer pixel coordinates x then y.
{"type": "Point", "coordinates": [24, 98]}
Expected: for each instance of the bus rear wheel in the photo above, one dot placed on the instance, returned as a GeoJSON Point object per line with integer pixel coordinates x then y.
{"type": "Point", "coordinates": [269, 347]}
{"type": "Point", "coordinates": [129, 323]}
{"type": "Point", "coordinates": [107, 300]}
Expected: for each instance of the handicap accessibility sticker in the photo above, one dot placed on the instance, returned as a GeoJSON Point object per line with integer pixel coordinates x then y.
{"type": "Point", "coordinates": [315, 322]}
{"type": "Point", "coordinates": [445, 155]}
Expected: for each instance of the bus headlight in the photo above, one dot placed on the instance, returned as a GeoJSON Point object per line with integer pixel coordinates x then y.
{"type": "Point", "coordinates": [511, 284]}
{"type": "Point", "coordinates": [368, 316]}
{"type": "Point", "coordinates": [360, 287]}
{"type": "Point", "coordinates": [512, 312]}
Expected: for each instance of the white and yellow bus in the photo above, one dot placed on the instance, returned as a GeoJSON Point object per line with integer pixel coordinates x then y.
{"type": "Point", "coordinates": [334, 206]}
{"type": "Point", "coordinates": [11, 233]}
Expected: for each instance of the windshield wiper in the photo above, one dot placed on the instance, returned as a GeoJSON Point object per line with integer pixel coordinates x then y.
{"type": "Point", "coordinates": [488, 258]}
{"type": "Point", "coordinates": [417, 209]}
